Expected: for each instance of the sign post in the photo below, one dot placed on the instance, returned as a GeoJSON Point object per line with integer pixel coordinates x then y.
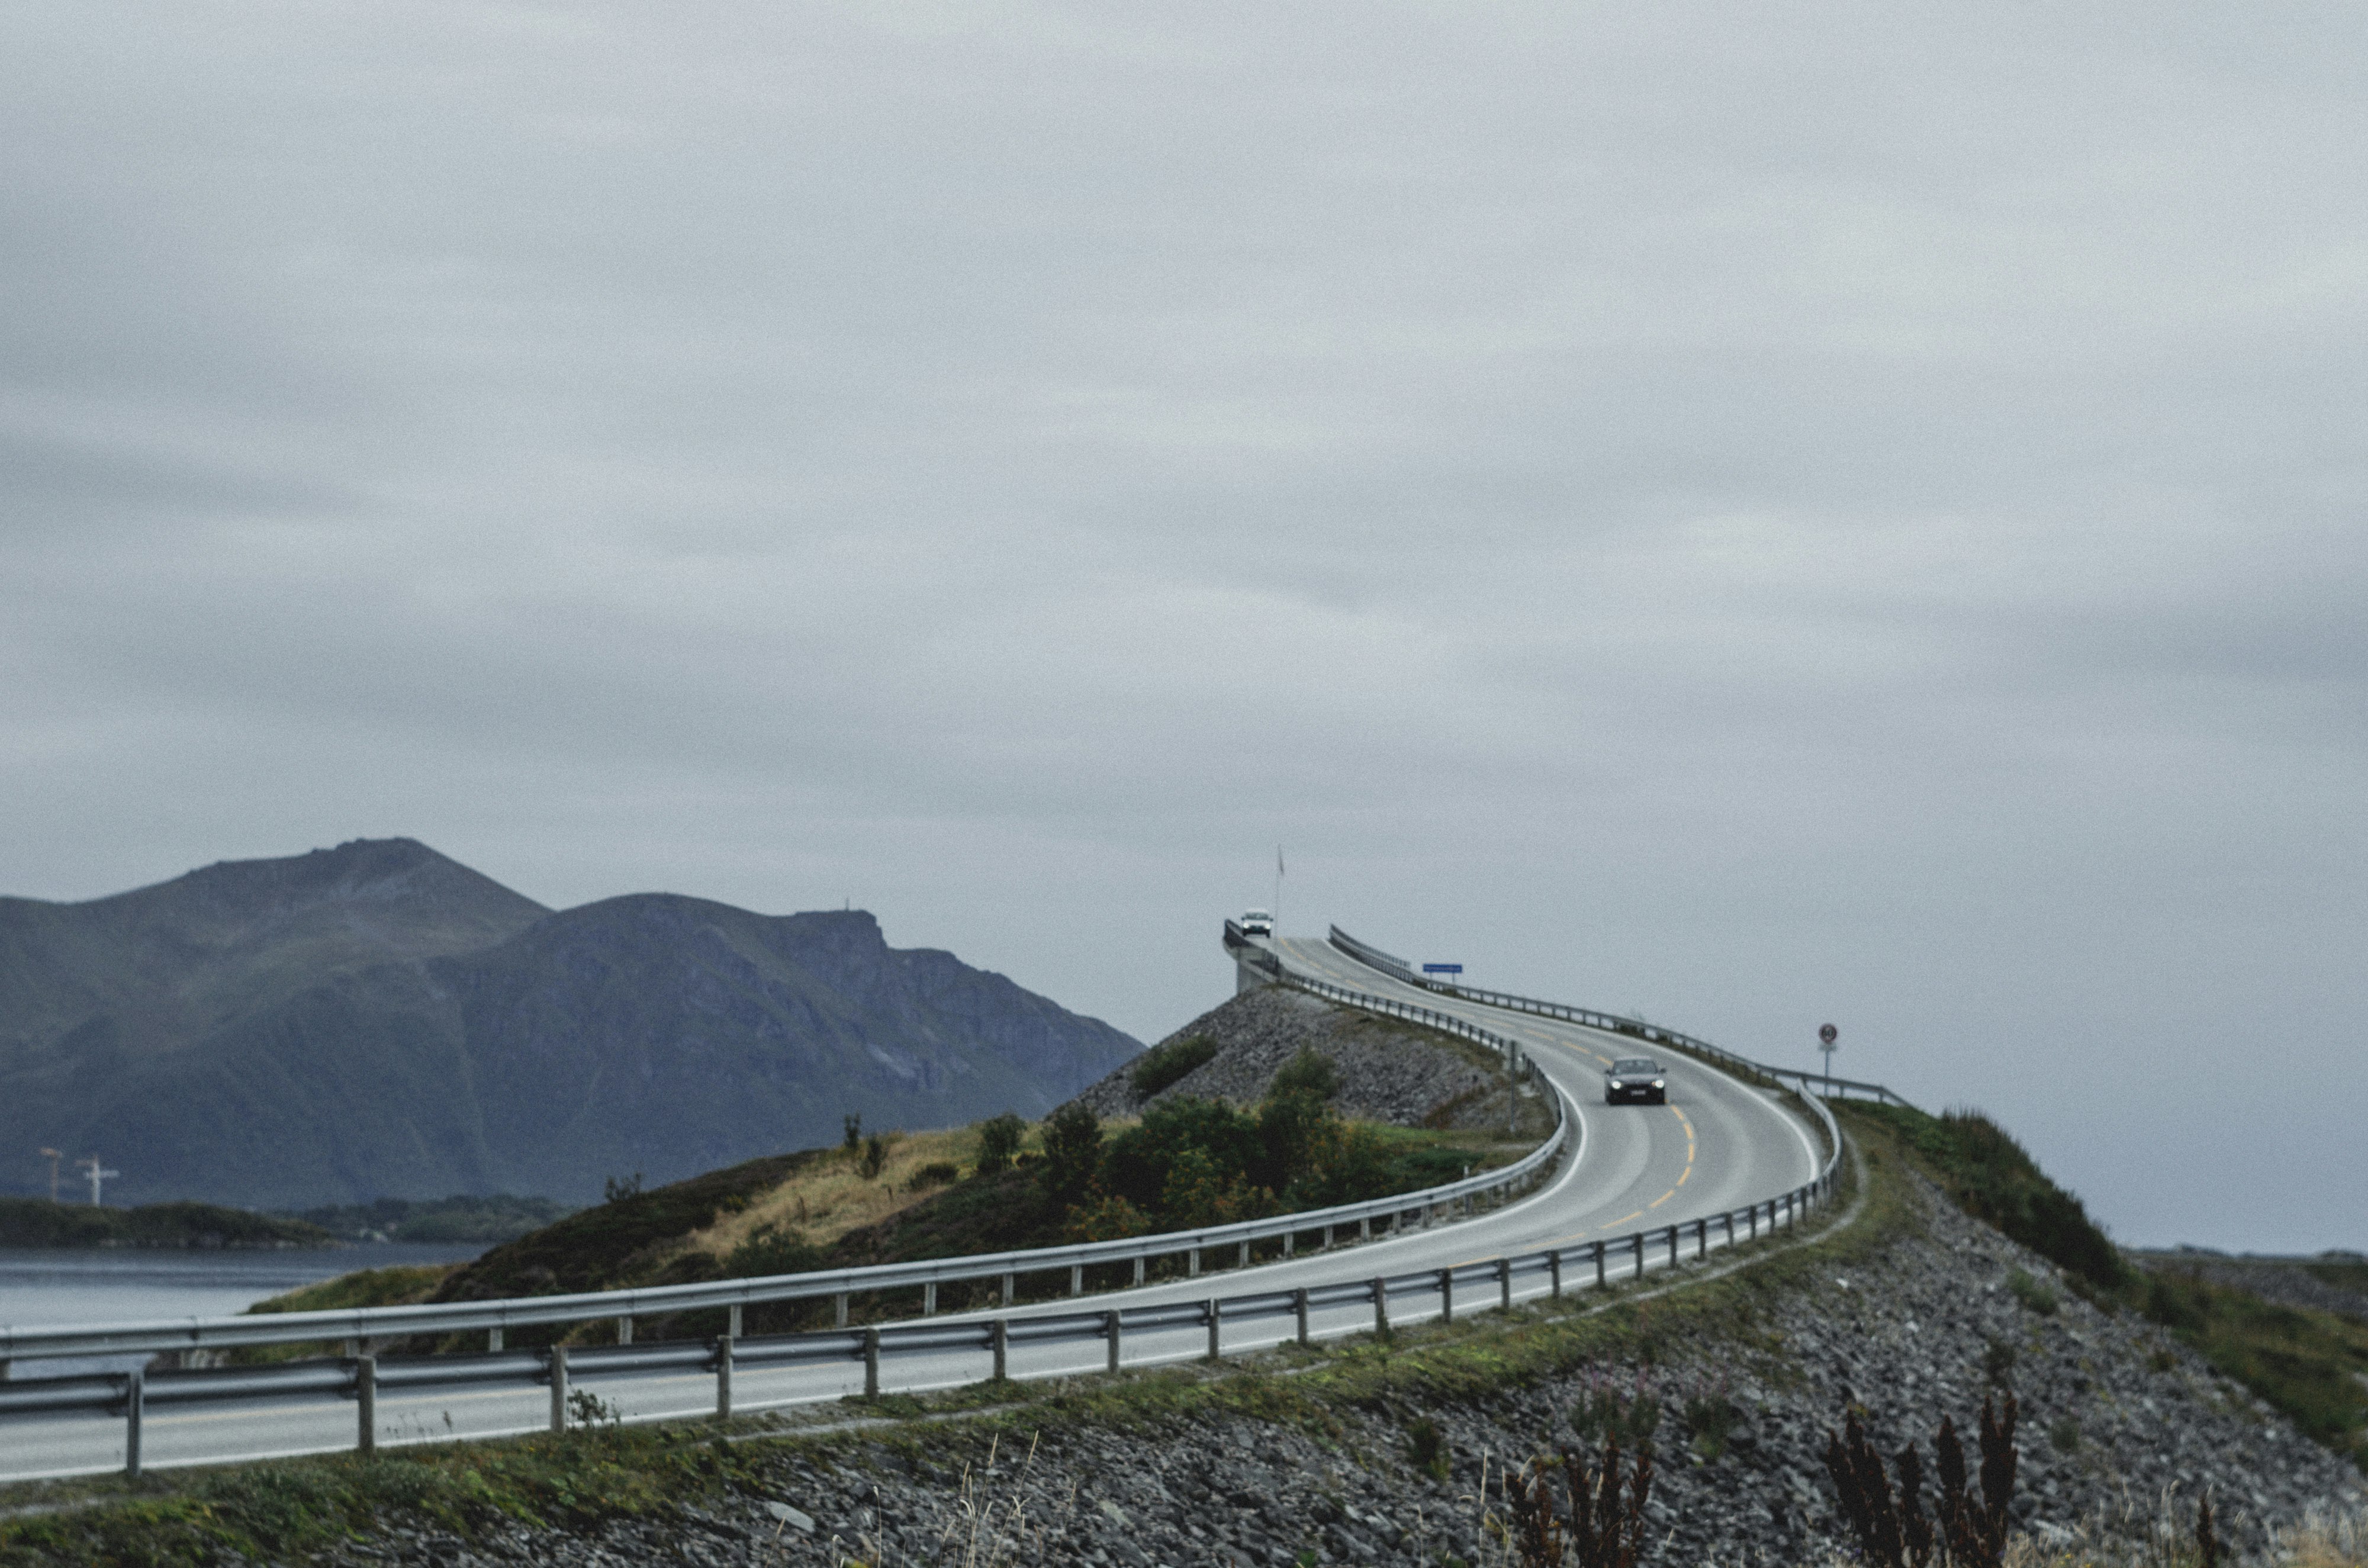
{"type": "Point", "coordinates": [1827, 1035]}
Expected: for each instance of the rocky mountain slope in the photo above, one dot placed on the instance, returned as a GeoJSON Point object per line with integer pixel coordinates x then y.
{"type": "Point", "coordinates": [1390, 1070]}
{"type": "Point", "coordinates": [377, 1020]}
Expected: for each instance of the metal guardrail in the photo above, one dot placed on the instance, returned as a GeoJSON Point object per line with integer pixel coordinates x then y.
{"type": "Point", "coordinates": [367, 1323]}
{"type": "Point", "coordinates": [359, 1377]}
{"type": "Point", "coordinates": [1611, 1023]}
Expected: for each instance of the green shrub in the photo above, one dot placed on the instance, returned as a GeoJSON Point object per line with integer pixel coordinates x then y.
{"type": "Point", "coordinates": [1709, 1419]}
{"type": "Point", "coordinates": [999, 1141]}
{"type": "Point", "coordinates": [2037, 1297]}
{"type": "Point", "coordinates": [1429, 1447]}
{"type": "Point", "coordinates": [1162, 1066]}
{"type": "Point", "coordinates": [1997, 1363]}
{"type": "Point", "coordinates": [1603, 1415]}
{"type": "Point", "coordinates": [1310, 1073]}
{"type": "Point", "coordinates": [937, 1172]}
{"type": "Point", "coordinates": [1073, 1153]}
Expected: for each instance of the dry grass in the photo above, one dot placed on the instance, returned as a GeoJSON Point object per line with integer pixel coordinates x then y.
{"type": "Point", "coordinates": [835, 1197]}
{"type": "Point", "coordinates": [826, 1203]}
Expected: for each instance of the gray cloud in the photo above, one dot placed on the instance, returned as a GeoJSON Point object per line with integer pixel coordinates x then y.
{"type": "Point", "coordinates": [1757, 518]}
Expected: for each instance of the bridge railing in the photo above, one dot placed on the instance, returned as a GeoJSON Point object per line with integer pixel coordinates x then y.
{"type": "Point", "coordinates": [1268, 1316]}
{"type": "Point", "coordinates": [369, 1324]}
{"type": "Point", "coordinates": [1810, 1084]}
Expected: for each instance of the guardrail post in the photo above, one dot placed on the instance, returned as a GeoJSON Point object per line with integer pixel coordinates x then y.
{"type": "Point", "coordinates": [929, 1298]}
{"type": "Point", "coordinates": [1381, 1307]}
{"type": "Point", "coordinates": [724, 1375]}
{"type": "Point", "coordinates": [135, 1405]}
{"type": "Point", "coordinates": [366, 1403]}
{"type": "Point", "coordinates": [998, 1337]}
{"type": "Point", "coordinates": [1673, 1246]}
{"type": "Point", "coordinates": [1192, 1266]}
{"type": "Point", "coordinates": [1327, 1247]}
{"type": "Point", "coordinates": [1447, 1295]}
{"type": "Point", "coordinates": [1752, 1218]}
{"type": "Point", "coordinates": [1701, 1240]}
{"type": "Point", "coordinates": [4, 1372]}
{"type": "Point", "coordinates": [1299, 1310]}
{"type": "Point", "coordinates": [1788, 1211]}
{"type": "Point", "coordinates": [1138, 1271]}
{"type": "Point", "coordinates": [872, 1362]}
{"type": "Point", "coordinates": [1288, 1237]}
{"type": "Point", "coordinates": [558, 1388]}
{"type": "Point", "coordinates": [732, 1320]}
{"type": "Point", "coordinates": [624, 1331]}
{"type": "Point", "coordinates": [1728, 1219]}
{"type": "Point", "coordinates": [1639, 1240]}
{"type": "Point", "coordinates": [1111, 1332]}
{"type": "Point", "coordinates": [838, 1304]}
{"type": "Point", "coordinates": [1076, 1279]}
{"type": "Point", "coordinates": [1553, 1275]}
{"type": "Point", "coordinates": [1245, 1262]}
{"type": "Point", "coordinates": [1212, 1310]}
{"type": "Point", "coordinates": [1364, 1227]}
{"type": "Point", "coordinates": [1504, 1284]}
{"type": "Point", "coordinates": [1599, 1265]}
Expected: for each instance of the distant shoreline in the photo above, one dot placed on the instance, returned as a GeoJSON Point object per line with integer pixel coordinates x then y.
{"type": "Point", "coordinates": [29, 1224]}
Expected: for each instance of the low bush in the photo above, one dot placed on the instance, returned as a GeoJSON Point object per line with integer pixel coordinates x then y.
{"type": "Point", "coordinates": [999, 1143]}
{"type": "Point", "coordinates": [2033, 1295]}
{"type": "Point", "coordinates": [1163, 1066]}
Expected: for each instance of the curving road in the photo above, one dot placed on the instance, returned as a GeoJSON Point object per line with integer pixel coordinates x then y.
{"type": "Point", "coordinates": [1717, 1145]}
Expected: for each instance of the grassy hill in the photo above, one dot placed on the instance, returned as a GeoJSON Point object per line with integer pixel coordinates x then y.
{"type": "Point", "coordinates": [378, 1021]}
{"type": "Point", "coordinates": [2312, 1364]}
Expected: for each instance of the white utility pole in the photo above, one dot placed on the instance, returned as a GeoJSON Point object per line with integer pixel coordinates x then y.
{"type": "Point", "coordinates": [53, 1156]}
{"type": "Point", "coordinates": [98, 1172]}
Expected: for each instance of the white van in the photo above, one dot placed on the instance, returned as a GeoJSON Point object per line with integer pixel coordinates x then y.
{"type": "Point", "coordinates": [1257, 923]}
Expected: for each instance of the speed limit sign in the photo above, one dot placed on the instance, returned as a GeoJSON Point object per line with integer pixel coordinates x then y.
{"type": "Point", "coordinates": [1828, 1034]}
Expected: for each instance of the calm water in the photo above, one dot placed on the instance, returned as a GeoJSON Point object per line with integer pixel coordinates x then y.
{"type": "Point", "coordinates": [111, 1285]}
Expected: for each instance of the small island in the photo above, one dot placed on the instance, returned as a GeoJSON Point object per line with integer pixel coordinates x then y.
{"type": "Point", "coordinates": [38, 1222]}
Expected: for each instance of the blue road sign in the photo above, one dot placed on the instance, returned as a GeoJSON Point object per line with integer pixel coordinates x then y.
{"type": "Point", "coordinates": [1442, 968]}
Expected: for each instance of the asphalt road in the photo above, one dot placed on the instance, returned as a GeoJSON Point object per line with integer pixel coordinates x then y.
{"type": "Point", "coordinates": [1717, 1145]}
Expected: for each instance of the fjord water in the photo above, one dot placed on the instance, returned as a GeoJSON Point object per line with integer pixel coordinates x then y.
{"type": "Point", "coordinates": [41, 1288]}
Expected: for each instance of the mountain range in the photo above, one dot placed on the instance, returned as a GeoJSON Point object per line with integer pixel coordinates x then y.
{"type": "Point", "coordinates": [378, 1020]}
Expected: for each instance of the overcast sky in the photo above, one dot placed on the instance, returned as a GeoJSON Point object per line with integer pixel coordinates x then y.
{"type": "Point", "coordinates": [1758, 515]}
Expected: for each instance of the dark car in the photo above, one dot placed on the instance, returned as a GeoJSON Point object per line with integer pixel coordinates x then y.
{"type": "Point", "coordinates": [1636, 1078]}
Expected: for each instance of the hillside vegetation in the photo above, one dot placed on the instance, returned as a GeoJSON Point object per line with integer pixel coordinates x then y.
{"type": "Point", "coordinates": [1002, 1184]}
{"type": "Point", "coordinates": [2311, 1364]}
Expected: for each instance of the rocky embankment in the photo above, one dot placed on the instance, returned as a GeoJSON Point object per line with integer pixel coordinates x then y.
{"type": "Point", "coordinates": [2115, 1418]}
{"type": "Point", "coordinates": [1390, 1071]}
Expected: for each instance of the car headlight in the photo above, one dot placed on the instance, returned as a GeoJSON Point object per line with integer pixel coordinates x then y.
{"type": "Point", "coordinates": [1617, 1084]}
{"type": "Point", "coordinates": [1659, 1085]}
